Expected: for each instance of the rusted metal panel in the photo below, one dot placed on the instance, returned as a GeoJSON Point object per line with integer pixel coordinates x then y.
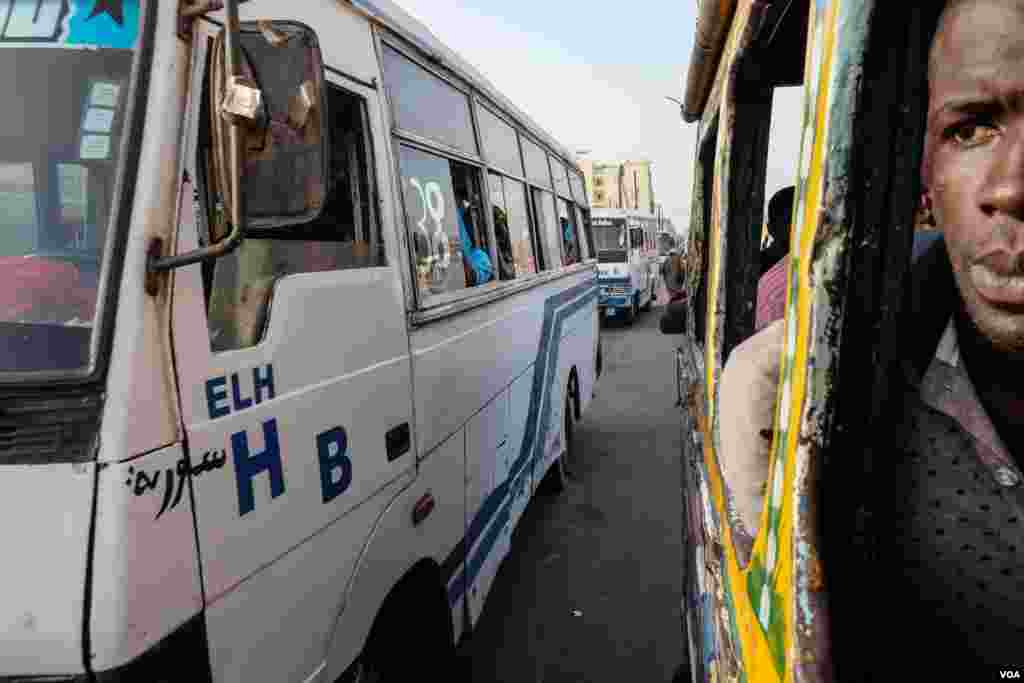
{"type": "Point", "coordinates": [713, 22]}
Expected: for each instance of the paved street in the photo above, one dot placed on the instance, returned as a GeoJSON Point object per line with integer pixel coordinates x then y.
{"type": "Point", "coordinates": [590, 591]}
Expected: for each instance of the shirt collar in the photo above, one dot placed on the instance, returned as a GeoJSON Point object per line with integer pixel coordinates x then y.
{"type": "Point", "coordinates": [947, 388]}
{"type": "Point", "coordinates": [948, 351]}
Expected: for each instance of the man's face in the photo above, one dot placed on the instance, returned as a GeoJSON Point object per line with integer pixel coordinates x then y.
{"type": "Point", "coordinates": [973, 170]}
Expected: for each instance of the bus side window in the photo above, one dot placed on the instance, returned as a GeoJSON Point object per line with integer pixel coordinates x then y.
{"type": "Point", "coordinates": [346, 235]}
{"type": "Point", "coordinates": [764, 154]}
{"type": "Point", "coordinates": [444, 216]}
{"type": "Point", "coordinates": [570, 234]}
{"type": "Point", "coordinates": [703, 210]}
{"type": "Point", "coordinates": [588, 231]}
{"type": "Point", "coordinates": [512, 222]}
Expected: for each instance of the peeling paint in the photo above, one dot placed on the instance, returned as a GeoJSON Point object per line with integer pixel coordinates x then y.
{"type": "Point", "coordinates": [771, 616]}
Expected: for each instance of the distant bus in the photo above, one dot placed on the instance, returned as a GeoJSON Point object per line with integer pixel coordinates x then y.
{"type": "Point", "coordinates": [627, 261]}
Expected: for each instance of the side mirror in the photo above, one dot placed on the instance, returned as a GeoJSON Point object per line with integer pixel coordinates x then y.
{"type": "Point", "coordinates": [285, 157]}
{"type": "Point", "coordinates": [269, 133]}
{"type": "Point", "coordinates": [673, 320]}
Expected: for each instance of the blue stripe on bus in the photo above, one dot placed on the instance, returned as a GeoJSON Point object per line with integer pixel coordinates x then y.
{"type": "Point", "coordinates": [497, 507]}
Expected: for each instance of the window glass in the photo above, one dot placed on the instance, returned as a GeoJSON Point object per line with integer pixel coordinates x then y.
{"type": "Point", "coordinates": [443, 209]}
{"type": "Point", "coordinates": [561, 177]}
{"type": "Point", "coordinates": [610, 234]}
{"type": "Point", "coordinates": [579, 192]}
{"type": "Point", "coordinates": [503, 240]}
{"type": "Point", "coordinates": [569, 233]}
{"type": "Point", "coordinates": [636, 238]}
{"type": "Point", "coordinates": [346, 235]}
{"type": "Point", "coordinates": [536, 163]}
{"type": "Point", "coordinates": [588, 232]}
{"type": "Point", "coordinates": [63, 120]}
{"type": "Point", "coordinates": [426, 105]}
{"type": "Point", "coordinates": [500, 143]}
{"type": "Point", "coordinates": [547, 224]}
{"type": "Point", "coordinates": [19, 222]}
{"type": "Point", "coordinates": [519, 226]}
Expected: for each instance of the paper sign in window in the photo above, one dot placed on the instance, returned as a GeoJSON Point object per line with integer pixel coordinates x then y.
{"type": "Point", "coordinates": [98, 120]}
{"type": "Point", "coordinates": [104, 94]}
{"type": "Point", "coordinates": [95, 147]}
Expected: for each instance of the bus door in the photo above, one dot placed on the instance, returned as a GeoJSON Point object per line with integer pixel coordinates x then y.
{"type": "Point", "coordinates": [292, 358]}
{"type": "Point", "coordinates": [638, 259]}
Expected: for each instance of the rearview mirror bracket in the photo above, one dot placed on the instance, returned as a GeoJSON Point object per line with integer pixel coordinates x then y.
{"type": "Point", "coordinates": [238, 101]}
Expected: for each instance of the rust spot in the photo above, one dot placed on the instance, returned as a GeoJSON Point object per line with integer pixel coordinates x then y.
{"type": "Point", "coordinates": [815, 577]}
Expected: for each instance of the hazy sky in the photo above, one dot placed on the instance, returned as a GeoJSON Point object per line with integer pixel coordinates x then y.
{"type": "Point", "coordinates": [595, 76]}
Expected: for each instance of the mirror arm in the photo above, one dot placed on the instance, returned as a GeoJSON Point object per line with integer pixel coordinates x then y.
{"type": "Point", "coordinates": [237, 216]}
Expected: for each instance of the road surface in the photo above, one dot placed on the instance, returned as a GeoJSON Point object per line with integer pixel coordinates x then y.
{"type": "Point", "coordinates": [590, 591]}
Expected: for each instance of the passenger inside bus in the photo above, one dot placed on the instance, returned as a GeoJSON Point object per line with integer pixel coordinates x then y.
{"type": "Point", "coordinates": [506, 261]}
{"type": "Point", "coordinates": [953, 541]}
{"type": "Point", "coordinates": [771, 288]}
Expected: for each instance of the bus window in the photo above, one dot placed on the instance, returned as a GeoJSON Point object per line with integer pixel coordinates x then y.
{"type": "Point", "coordinates": [524, 250]}
{"type": "Point", "coordinates": [537, 170]}
{"type": "Point", "coordinates": [764, 152]}
{"type": "Point", "coordinates": [570, 237]}
{"type": "Point", "coordinates": [558, 172]}
{"type": "Point", "coordinates": [500, 142]}
{"type": "Point", "coordinates": [427, 105]}
{"type": "Point", "coordinates": [579, 191]}
{"type": "Point", "coordinates": [502, 230]}
{"type": "Point", "coordinates": [703, 209]}
{"type": "Point", "coordinates": [444, 215]}
{"type": "Point", "coordinates": [547, 227]}
{"type": "Point", "coordinates": [636, 238]}
{"type": "Point", "coordinates": [346, 235]}
{"type": "Point", "coordinates": [588, 231]}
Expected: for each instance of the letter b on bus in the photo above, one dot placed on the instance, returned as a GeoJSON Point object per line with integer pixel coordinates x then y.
{"type": "Point", "coordinates": [335, 465]}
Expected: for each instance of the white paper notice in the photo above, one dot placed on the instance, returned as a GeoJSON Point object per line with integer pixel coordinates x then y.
{"type": "Point", "coordinates": [95, 147]}
{"type": "Point", "coordinates": [104, 94]}
{"type": "Point", "coordinates": [98, 120]}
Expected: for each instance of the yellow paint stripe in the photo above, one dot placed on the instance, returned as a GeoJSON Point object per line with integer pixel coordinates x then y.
{"type": "Point", "coordinates": [799, 378]}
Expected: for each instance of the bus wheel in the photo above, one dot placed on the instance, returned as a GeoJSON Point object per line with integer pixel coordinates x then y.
{"type": "Point", "coordinates": [428, 650]}
{"type": "Point", "coordinates": [634, 310]}
{"type": "Point", "coordinates": [557, 478]}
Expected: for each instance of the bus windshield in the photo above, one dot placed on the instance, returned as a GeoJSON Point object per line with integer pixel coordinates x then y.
{"type": "Point", "coordinates": [665, 243]}
{"type": "Point", "coordinates": [609, 237]}
{"type": "Point", "coordinates": [60, 127]}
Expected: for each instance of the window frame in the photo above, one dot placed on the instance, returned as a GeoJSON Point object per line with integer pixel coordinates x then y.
{"type": "Point", "coordinates": [550, 187]}
{"type": "Point", "coordinates": [377, 240]}
{"type": "Point", "coordinates": [445, 77]}
{"type": "Point", "coordinates": [481, 170]}
{"type": "Point", "coordinates": [448, 303]}
{"type": "Point", "coordinates": [531, 223]}
{"type": "Point", "coordinates": [483, 103]}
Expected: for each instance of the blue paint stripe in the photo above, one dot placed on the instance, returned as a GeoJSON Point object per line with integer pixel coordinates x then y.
{"type": "Point", "coordinates": [547, 357]}
{"type": "Point", "coordinates": [490, 506]}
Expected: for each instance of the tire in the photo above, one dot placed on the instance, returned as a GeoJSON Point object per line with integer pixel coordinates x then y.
{"type": "Point", "coordinates": [428, 652]}
{"type": "Point", "coordinates": [557, 478]}
{"type": "Point", "coordinates": [634, 311]}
